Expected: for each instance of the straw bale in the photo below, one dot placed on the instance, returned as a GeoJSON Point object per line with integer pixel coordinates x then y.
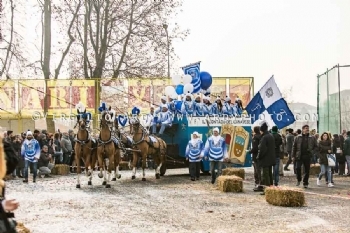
{"type": "Point", "coordinates": [315, 169]}
{"type": "Point", "coordinates": [285, 196]}
{"type": "Point", "coordinates": [230, 184]}
{"type": "Point", "coordinates": [60, 169]}
{"type": "Point", "coordinates": [285, 160]}
{"type": "Point", "coordinates": [231, 171]}
{"type": "Point", "coordinates": [21, 228]}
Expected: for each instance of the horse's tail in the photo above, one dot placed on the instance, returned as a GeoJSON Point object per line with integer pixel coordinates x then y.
{"type": "Point", "coordinates": [163, 150]}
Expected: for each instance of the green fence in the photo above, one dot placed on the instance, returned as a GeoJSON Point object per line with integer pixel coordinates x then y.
{"type": "Point", "coordinates": [333, 99]}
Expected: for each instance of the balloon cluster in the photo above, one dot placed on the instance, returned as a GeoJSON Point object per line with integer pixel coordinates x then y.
{"type": "Point", "coordinates": [188, 84]}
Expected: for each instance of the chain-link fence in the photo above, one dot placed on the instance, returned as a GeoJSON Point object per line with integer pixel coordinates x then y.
{"type": "Point", "coordinates": [333, 98]}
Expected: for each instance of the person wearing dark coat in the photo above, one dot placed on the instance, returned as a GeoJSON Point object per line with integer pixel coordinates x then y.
{"type": "Point", "coordinates": [304, 147]}
{"type": "Point", "coordinates": [278, 144]}
{"type": "Point", "coordinates": [325, 146]}
{"type": "Point", "coordinates": [266, 155]}
{"type": "Point", "coordinates": [289, 145]}
{"type": "Point", "coordinates": [340, 157]}
{"type": "Point", "coordinates": [254, 151]}
{"type": "Point", "coordinates": [346, 151]}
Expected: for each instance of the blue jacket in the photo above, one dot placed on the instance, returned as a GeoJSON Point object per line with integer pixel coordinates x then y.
{"type": "Point", "coordinates": [194, 150]}
{"type": "Point", "coordinates": [215, 151]}
{"type": "Point", "coordinates": [30, 150]}
{"type": "Point", "coordinates": [188, 107]}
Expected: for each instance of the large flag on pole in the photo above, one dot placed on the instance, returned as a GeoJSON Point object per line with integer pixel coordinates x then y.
{"type": "Point", "coordinates": [268, 105]}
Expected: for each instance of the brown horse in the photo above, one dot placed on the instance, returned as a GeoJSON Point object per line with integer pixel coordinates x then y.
{"type": "Point", "coordinates": [108, 148]}
{"type": "Point", "coordinates": [143, 142]}
{"type": "Point", "coordinates": [84, 148]}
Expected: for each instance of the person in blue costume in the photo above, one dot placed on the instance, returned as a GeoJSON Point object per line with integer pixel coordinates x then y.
{"type": "Point", "coordinates": [193, 154]}
{"type": "Point", "coordinates": [216, 151]}
{"type": "Point", "coordinates": [188, 105]}
{"type": "Point", "coordinates": [172, 104]}
{"type": "Point", "coordinates": [164, 120]}
{"type": "Point", "coordinates": [217, 108]}
{"type": "Point", "coordinates": [198, 111]}
{"type": "Point", "coordinates": [239, 106]}
{"type": "Point", "coordinates": [207, 107]}
{"type": "Point", "coordinates": [30, 151]}
{"type": "Point", "coordinates": [163, 101]}
{"type": "Point", "coordinates": [149, 118]}
{"type": "Point", "coordinates": [228, 108]}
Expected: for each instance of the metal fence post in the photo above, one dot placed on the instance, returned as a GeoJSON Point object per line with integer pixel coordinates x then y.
{"type": "Point", "coordinates": [340, 120]}
{"type": "Point", "coordinates": [318, 103]}
{"type": "Point", "coordinates": [328, 99]}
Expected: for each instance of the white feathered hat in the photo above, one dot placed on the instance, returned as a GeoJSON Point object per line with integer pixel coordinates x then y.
{"type": "Point", "coordinates": [80, 107]}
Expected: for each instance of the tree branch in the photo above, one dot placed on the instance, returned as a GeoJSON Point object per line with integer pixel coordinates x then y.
{"type": "Point", "coordinates": [10, 43]}
{"type": "Point", "coordinates": [71, 41]}
{"type": "Point", "coordinates": [116, 71]}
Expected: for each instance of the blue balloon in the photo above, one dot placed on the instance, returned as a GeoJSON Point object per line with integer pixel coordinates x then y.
{"type": "Point", "coordinates": [179, 89]}
{"type": "Point", "coordinates": [206, 80]}
{"type": "Point", "coordinates": [196, 82]}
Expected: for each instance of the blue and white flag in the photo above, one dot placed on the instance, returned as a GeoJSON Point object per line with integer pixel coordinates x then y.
{"type": "Point", "coordinates": [193, 70]}
{"type": "Point", "coordinates": [269, 106]}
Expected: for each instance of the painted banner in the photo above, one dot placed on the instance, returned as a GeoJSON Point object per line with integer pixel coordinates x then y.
{"type": "Point", "coordinates": [7, 98]}
{"type": "Point", "coordinates": [240, 87]}
{"type": "Point", "coordinates": [32, 93]}
{"type": "Point", "coordinates": [115, 93]}
{"type": "Point", "coordinates": [58, 96]}
{"type": "Point", "coordinates": [159, 89]}
{"type": "Point", "coordinates": [218, 88]}
{"type": "Point", "coordinates": [139, 94]}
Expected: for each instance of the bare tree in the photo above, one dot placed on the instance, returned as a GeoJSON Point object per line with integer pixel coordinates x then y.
{"type": "Point", "coordinates": [12, 52]}
{"type": "Point", "coordinates": [125, 38]}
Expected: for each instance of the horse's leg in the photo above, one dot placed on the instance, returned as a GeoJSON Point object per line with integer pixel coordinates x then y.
{"type": "Point", "coordinates": [101, 163]}
{"type": "Point", "coordinates": [88, 163]}
{"type": "Point", "coordinates": [159, 165]}
{"type": "Point", "coordinates": [134, 164]}
{"type": "Point", "coordinates": [118, 157]}
{"type": "Point", "coordinates": [111, 167]}
{"type": "Point", "coordinates": [77, 159]}
{"type": "Point", "coordinates": [105, 164]}
{"type": "Point", "coordinates": [144, 161]}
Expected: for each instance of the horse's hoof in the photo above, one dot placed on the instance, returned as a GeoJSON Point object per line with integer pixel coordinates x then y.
{"type": "Point", "coordinates": [100, 175]}
{"type": "Point", "coordinates": [89, 183]}
{"type": "Point", "coordinates": [157, 176]}
{"type": "Point", "coordinates": [133, 177]}
{"type": "Point", "coordinates": [119, 176]}
{"type": "Point", "coordinates": [114, 179]}
{"type": "Point", "coordinates": [161, 174]}
{"type": "Point", "coordinates": [143, 179]}
{"type": "Point", "coordinates": [108, 186]}
{"type": "Point", "coordinates": [104, 183]}
{"type": "Point", "coordinates": [78, 186]}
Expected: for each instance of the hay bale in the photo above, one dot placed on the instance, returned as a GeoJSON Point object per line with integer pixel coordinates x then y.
{"type": "Point", "coordinates": [230, 184]}
{"type": "Point", "coordinates": [315, 169]}
{"type": "Point", "coordinates": [60, 169]}
{"type": "Point", "coordinates": [21, 228]}
{"type": "Point", "coordinates": [285, 160]}
{"type": "Point", "coordinates": [285, 196]}
{"type": "Point", "coordinates": [231, 171]}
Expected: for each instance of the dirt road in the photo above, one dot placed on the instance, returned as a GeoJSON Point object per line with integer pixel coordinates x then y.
{"type": "Point", "coordinates": [173, 204]}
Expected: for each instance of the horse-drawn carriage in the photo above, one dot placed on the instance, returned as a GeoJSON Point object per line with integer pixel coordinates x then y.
{"type": "Point", "coordinates": [115, 144]}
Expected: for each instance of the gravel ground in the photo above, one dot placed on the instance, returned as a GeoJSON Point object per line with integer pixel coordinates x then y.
{"type": "Point", "coordinates": [173, 204]}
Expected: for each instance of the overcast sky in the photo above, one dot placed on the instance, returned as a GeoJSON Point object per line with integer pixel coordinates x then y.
{"type": "Point", "coordinates": [294, 40]}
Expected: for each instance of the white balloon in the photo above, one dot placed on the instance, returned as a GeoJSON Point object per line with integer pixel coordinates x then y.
{"type": "Point", "coordinates": [169, 90]}
{"type": "Point", "coordinates": [188, 88]}
{"type": "Point", "coordinates": [174, 96]}
{"type": "Point", "coordinates": [176, 79]}
{"type": "Point", "coordinates": [187, 79]}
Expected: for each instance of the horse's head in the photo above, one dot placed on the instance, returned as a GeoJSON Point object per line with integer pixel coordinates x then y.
{"type": "Point", "coordinates": [82, 120]}
{"type": "Point", "coordinates": [107, 117]}
{"type": "Point", "coordinates": [134, 125]}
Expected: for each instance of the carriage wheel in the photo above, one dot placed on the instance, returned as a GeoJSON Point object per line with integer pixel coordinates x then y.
{"type": "Point", "coordinates": [163, 169]}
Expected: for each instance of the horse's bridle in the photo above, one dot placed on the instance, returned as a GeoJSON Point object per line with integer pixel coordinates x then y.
{"type": "Point", "coordinates": [135, 129]}
{"type": "Point", "coordinates": [109, 125]}
{"type": "Point", "coordinates": [81, 141]}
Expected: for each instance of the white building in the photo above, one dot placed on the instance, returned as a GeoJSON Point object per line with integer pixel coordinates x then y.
{"type": "Point", "coordinates": [304, 114]}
